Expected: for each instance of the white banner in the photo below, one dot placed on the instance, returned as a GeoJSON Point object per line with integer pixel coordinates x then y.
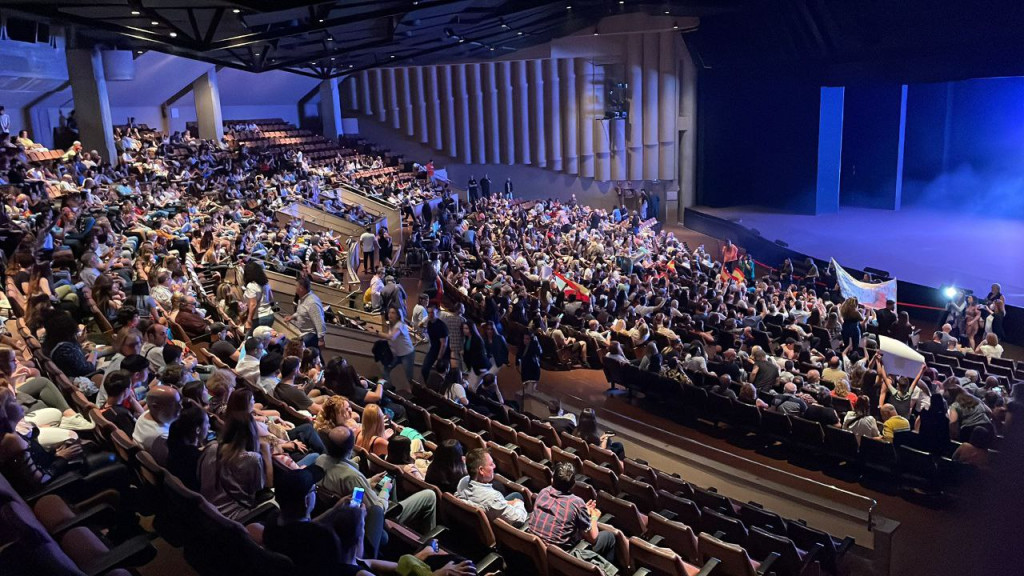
{"type": "Point", "coordinates": [898, 358]}
{"type": "Point", "coordinates": [868, 294]}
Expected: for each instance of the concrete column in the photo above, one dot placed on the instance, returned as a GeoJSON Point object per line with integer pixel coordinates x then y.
{"type": "Point", "coordinates": [602, 130]}
{"type": "Point", "coordinates": [351, 85]}
{"type": "Point", "coordinates": [448, 126]}
{"type": "Point", "coordinates": [635, 75]}
{"type": "Point", "coordinates": [402, 81]}
{"type": "Point", "coordinates": [521, 88]}
{"type": "Point", "coordinates": [553, 96]}
{"type": "Point", "coordinates": [207, 96]}
{"type": "Point", "coordinates": [492, 128]}
{"type": "Point", "coordinates": [538, 127]}
{"type": "Point", "coordinates": [651, 83]}
{"type": "Point", "coordinates": [570, 160]}
{"type": "Point", "coordinates": [474, 86]}
{"type": "Point", "coordinates": [618, 127]}
{"type": "Point", "coordinates": [830, 149]}
{"type": "Point", "coordinates": [377, 87]}
{"type": "Point", "coordinates": [585, 90]}
{"type": "Point", "coordinates": [92, 107]}
{"type": "Point", "coordinates": [433, 94]}
{"type": "Point", "coordinates": [506, 114]}
{"type": "Point", "coordinates": [462, 117]}
{"type": "Point", "coordinates": [391, 96]}
{"type": "Point", "coordinates": [419, 105]}
{"type": "Point", "coordinates": [687, 91]}
{"type": "Point", "coordinates": [365, 92]}
{"type": "Point", "coordinates": [668, 107]}
{"type": "Point", "coordinates": [330, 108]}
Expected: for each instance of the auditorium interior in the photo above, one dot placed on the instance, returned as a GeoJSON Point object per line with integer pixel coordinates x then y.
{"type": "Point", "coordinates": [511, 287]}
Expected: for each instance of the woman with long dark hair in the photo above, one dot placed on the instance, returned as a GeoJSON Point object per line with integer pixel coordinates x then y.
{"type": "Point", "coordinates": [588, 429]}
{"type": "Point", "coordinates": [63, 347]}
{"type": "Point", "coordinates": [528, 358]}
{"type": "Point", "coordinates": [447, 467]}
{"type": "Point", "coordinates": [235, 471]}
{"type": "Point", "coordinates": [260, 299]}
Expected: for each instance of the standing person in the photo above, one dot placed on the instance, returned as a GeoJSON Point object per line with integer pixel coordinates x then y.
{"type": "Point", "coordinates": [260, 299]}
{"type": "Point", "coordinates": [485, 187]}
{"type": "Point", "coordinates": [401, 346]}
{"type": "Point", "coordinates": [472, 191]}
{"type": "Point", "coordinates": [528, 358]}
{"type": "Point", "coordinates": [369, 245]}
{"type": "Point", "coordinates": [654, 207]}
{"type": "Point", "coordinates": [852, 319]}
{"type": "Point", "coordinates": [5, 125]}
{"type": "Point", "coordinates": [453, 320]}
{"type": "Point", "coordinates": [392, 296]}
{"type": "Point", "coordinates": [387, 246]}
{"type": "Point", "coordinates": [972, 320]}
{"type": "Point", "coordinates": [430, 170]}
{"type": "Point", "coordinates": [508, 188]}
{"type": "Point", "coordinates": [437, 333]}
{"type": "Point", "coordinates": [730, 254]}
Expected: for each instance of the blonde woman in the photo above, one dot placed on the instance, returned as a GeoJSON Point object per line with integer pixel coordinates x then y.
{"type": "Point", "coordinates": [337, 411]}
{"type": "Point", "coordinates": [842, 390]}
{"type": "Point", "coordinates": [373, 436]}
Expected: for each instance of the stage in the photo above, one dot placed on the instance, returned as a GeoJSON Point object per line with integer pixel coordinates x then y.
{"type": "Point", "coordinates": [924, 247]}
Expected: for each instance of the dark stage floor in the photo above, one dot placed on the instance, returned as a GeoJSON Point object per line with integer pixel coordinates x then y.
{"type": "Point", "coordinates": [916, 245]}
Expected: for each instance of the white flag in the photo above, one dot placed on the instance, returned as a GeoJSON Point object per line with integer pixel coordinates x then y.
{"type": "Point", "coordinates": [867, 294]}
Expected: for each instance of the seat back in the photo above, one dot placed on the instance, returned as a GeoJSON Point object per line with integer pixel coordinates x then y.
{"type": "Point", "coordinates": [584, 491]}
{"type": "Point", "coordinates": [754, 515]}
{"type": "Point", "coordinates": [533, 448]}
{"type": "Point", "coordinates": [605, 457]}
{"type": "Point", "coordinates": [469, 440]}
{"type": "Point", "coordinates": [524, 553]}
{"type": "Point", "coordinates": [564, 564]}
{"type": "Point", "coordinates": [627, 517]}
{"type": "Point", "coordinates": [807, 432]}
{"type": "Point", "coordinates": [547, 433]}
{"type": "Point", "coordinates": [746, 416]}
{"type": "Point", "coordinates": [676, 536]}
{"type": "Point", "coordinates": [576, 443]}
{"type": "Point", "coordinates": [806, 538]}
{"type": "Point", "coordinates": [477, 422]}
{"type": "Point", "coordinates": [444, 429]}
{"type": "Point", "coordinates": [762, 543]}
{"type": "Point", "coordinates": [714, 522]}
{"type": "Point", "coordinates": [537, 475]}
{"type": "Point", "coordinates": [409, 485]}
{"type": "Point", "coordinates": [639, 470]}
{"type": "Point", "coordinates": [470, 522]}
{"type": "Point", "coordinates": [503, 434]}
{"type": "Point", "coordinates": [734, 559]}
{"type": "Point", "coordinates": [521, 422]}
{"type": "Point", "coordinates": [559, 455]}
{"type": "Point", "coordinates": [878, 454]}
{"type": "Point", "coordinates": [719, 407]}
{"type": "Point", "coordinates": [842, 443]}
{"type": "Point", "coordinates": [640, 493]}
{"type": "Point", "coordinates": [713, 500]}
{"type": "Point", "coordinates": [674, 485]}
{"type": "Point", "coordinates": [505, 459]}
{"type": "Point", "coordinates": [775, 424]}
{"type": "Point", "coordinates": [659, 560]}
{"type": "Point", "coordinates": [601, 478]}
{"type": "Point", "coordinates": [104, 429]}
{"type": "Point", "coordinates": [686, 510]}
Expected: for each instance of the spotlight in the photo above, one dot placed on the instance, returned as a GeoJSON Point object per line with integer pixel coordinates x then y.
{"type": "Point", "coordinates": [155, 23]}
{"type": "Point", "coordinates": [236, 11]}
{"type": "Point", "coordinates": [136, 12]}
{"type": "Point", "coordinates": [174, 34]}
{"type": "Point", "coordinates": [949, 292]}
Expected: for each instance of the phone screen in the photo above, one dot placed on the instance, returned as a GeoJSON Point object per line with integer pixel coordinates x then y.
{"type": "Point", "coordinates": [357, 498]}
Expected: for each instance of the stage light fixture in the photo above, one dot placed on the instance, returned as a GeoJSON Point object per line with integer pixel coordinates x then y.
{"type": "Point", "coordinates": [949, 292]}
{"type": "Point", "coordinates": [236, 11]}
{"type": "Point", "coordinates": [174, 34]}
{"type": "Point", "coordinates": [154, 23]}
{"type": "Point", "coordinates": [136, 12]}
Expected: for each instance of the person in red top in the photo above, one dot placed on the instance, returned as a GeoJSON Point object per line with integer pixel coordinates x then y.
{"type": "Point", "coordinates": [430, 170]}
{"type": "Point", "coordinates": [730, 255]}
{"type": "Point", "coordinates": [562, 519]}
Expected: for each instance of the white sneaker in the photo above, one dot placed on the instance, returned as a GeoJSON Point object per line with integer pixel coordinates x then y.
{"type": "Point", "coordinates": [76, 422]}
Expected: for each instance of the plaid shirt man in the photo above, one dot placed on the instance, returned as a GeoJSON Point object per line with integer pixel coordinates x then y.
{"type": "Point", "coordinates": [559, 519]}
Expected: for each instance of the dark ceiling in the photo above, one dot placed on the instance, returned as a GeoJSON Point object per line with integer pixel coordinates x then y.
{"type": "Point", "coordinates": [324, 39]}
{"type": "Point", "coordinates": [825, 41]}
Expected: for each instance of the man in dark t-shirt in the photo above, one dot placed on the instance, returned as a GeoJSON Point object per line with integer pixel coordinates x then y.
{"type": "Point", "coordinates": [220, 347]}
{"type": "Point", "coordinates": [437, 333]}
{"type": "Point", "coordinates": [313, 547]}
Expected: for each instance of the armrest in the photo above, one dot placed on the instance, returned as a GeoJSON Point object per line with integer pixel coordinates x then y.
{"type": "Point", "coordinates": [766, 566]}
{"type": "Point", "coordinates": [581, 545]}
{"type": "Point", "coordinates": [719, 534]}
{"type": "Point", "coordinates": [656, 540]}
{"type": "Point", "coordinates": [455, 419]}
{"type": "Point", "coordinates": [641, 572]}
{"type": "Point", "coordinates": [570, 450]}
{"type": "Point", "coordinates": [512, 447]}
{"type": "Point", "coordinates": [101, 513]}
{"type": "Point", "coordinates": [111, 497]}
{"type": "Point", "coordinates": [523, 480]}
{"type": "Point", "coordinates": [709, 566]}
{"type": "Point", "coordinates": [606, 518]}
{"type": "Point", "coordinates": [641, 462]}
{"type": "Point", "coordinates": [488, 563]}
{"type": "Point", "coordinates": [258, 512]}
{"type": "Point", "coordinates": [55, 486]}
{"type": "Point", "coordinates": [844, 545]}
{"type": "Point", "coordinates": [546, 463]}
{"type": "Point", "coordinates": [427, 435]}
{"type": "Point", "coordinates": [432, 534]}
{"type": "Point", "coordinates": [810, 555]}
{"type": "Point", "coordinates": [121, 555]}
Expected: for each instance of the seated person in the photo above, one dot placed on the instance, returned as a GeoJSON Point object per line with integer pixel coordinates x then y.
{"type": "Point", "coordinates": [561, 518]}
{"type": "Point", "coordinates": [477, 490]}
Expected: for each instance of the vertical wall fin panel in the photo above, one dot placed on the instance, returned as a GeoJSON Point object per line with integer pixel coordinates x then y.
{"type": "Point", "coordinates": [448, 123]}
{"type": "Point", "coordinates": [538, 125]}
{"type": "Point", "coordinates": [476, 113]}
{"type": "Point", "coordinates": [492, 129]}
{"type": "Point", "coordinates": [434, 116]}
{"type": "Point", "coordinates": [462, 117]}
{"type": "Point", "coordinates": [668, 107]}
{"type": "Point", "coordinates": [365, 94]}
{"type": "Point", "coordinates": [405, 107]}
{"type": "Point", "coordinates": [635, 75]}
{"type": "Point", "coordinates": [391, 96]}
{"type": "Point", "coordinates": [377, 85]}
{"type": "Point", "coordinates": [507, 113]}
{"type": "Point", "coordinates": [570, 117]}
{"type": "Point", "coordinates": [585, 91]}
{"type": "Point", "coordinates": [521, 87]}
{"type": "Point", "coordinates": [552, 94]}
{"type": "Point", "coordinates": [419, 105]}
{"type": "Point", "coordinates": [602, 129]}
{"type": "Point", "coordinates": [651, 82]}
